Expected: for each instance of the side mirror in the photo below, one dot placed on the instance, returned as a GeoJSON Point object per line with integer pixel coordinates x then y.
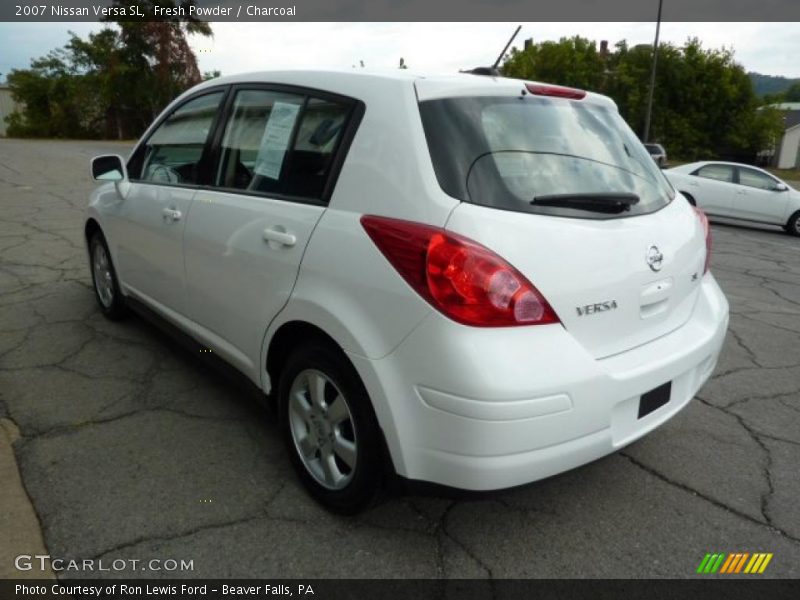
{"type": "Point", "coordinates": [781, 187]}
{"type": "Point", "coordinates": [109, 167]}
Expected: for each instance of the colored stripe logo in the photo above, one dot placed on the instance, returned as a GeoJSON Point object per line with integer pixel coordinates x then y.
{"type": "Point", "coordinates": [734, 563]}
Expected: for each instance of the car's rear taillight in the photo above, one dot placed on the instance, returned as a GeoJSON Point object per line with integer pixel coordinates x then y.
{"type": "Point", "coordinates": [462, 279]}
{"type": "Point", "coordinates": [707, 232]}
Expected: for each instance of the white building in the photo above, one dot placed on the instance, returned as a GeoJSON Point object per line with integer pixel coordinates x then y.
{"type": "Point", "coordinates": [787, 152]}
{"type": "Point", "coordinates": [7, 106]}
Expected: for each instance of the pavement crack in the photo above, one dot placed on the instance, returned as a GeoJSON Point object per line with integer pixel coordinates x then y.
{"type": "Point", "coordinates": [66, 429]}
{"type": "Point", "coordinates": [741, 343]}
{"type": "Point", "coordinates": [442, 530]}
{"type": "Point", "coordinates": [767, 470]}
{"type": "Point", "coordinates": [170, 538]}
{"type": "Point", "coordinates": [708, 499]}
{"type": "Point", "coordinates": [781, 296]}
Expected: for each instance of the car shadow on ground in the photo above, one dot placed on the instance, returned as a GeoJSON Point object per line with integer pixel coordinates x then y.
{"type": "Point", "coordinates": [731, 225]}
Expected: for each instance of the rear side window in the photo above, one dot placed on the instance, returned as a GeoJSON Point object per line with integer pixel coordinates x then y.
{"type": "Point", "coordinates": [172, 154]}
{"type": "Point", "coordinates": [279, 143]}
{"type": "Point", "coordinates": [317, 139]}
{"type": "Point", "coordinates": [504, 152]}
{"type": "Point", "coordinates": [716, 172]}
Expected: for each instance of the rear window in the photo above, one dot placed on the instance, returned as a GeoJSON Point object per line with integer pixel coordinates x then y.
{"type": "Point", "coordinates": [504, 152]}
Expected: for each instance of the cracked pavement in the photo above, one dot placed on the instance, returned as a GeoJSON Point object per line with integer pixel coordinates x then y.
{"type": "Point", "coordinates": [130, 447]}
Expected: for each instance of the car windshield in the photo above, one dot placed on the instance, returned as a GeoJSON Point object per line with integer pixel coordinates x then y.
{"type": "Point", "coordinates": [504, 152]}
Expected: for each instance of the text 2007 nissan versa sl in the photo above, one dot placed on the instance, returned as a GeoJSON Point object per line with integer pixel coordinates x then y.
{"type": "Point", "coordinates": [473, 281]}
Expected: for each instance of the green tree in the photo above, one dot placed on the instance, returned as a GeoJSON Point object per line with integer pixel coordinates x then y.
{"type": "Point", "coordinates": [105, 76]}
{"type": "Point", "coordinates": [160, 54]}
{"type": "Point", "coordinates": [570, 61]}
{"type": "Point", "coordinates": [112, 84]}
{"type": "Point", "coordinates": [49, 92]}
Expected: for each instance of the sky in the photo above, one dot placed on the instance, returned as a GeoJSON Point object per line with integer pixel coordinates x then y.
{"type": "Point", "coordinates": [769, 48]}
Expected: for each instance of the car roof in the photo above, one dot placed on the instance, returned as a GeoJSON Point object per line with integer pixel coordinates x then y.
{"type": "Point", "coordinates": [702, 163]}
{"type": "Point", "coordinates": [688, 167]}
{"type": "Point", "coordinates": [352, 82]}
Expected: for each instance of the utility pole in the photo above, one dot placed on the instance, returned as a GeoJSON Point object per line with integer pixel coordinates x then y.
{"type": "Point", "coordinates": [646, 136]}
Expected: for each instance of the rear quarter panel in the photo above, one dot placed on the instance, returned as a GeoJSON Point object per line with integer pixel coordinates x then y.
{"type": "Point", "coordinates": [346, 287]}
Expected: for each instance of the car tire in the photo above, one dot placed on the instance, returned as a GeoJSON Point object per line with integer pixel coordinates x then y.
{"type": "Point", "coordinates": [104, 279]}
{"type": "Point", "coordinates": [792, 226]}
{"type": "Point", "coordinates": [329, 428]}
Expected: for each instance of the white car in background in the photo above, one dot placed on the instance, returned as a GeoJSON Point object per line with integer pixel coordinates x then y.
{"type": "Point", "coordinates": [735, 191]}
{"type": "Point", "coordinates": [444, 278]}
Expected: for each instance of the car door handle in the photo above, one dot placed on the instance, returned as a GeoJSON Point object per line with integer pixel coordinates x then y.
{"type": "Point", "coordinates": [281, 237]}
{"type": "Point", "coordinates": [171, 214]}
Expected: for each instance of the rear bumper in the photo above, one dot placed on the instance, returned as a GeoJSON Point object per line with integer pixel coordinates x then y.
{"type": "Point", "coordinates": [483, 409]}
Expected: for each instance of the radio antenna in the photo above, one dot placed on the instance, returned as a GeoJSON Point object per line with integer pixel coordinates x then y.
{"type": "Point", "coordinates": [503, 53]}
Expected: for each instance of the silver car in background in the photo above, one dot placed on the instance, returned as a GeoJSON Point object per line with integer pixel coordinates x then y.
{"type": "Point", "coordinates": [658, 154]}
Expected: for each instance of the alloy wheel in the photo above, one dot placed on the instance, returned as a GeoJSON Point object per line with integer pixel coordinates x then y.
{"type": "Point", "coordinates": [103, 278]}
{"type": "Point", "coordinates": [322, 429]}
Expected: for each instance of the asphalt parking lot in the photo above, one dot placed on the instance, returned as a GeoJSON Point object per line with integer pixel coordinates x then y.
{"type": "Point", "coordinates": [131, 448]}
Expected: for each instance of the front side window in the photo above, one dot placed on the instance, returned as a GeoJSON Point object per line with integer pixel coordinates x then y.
{"type": "Point", "coordinates": [280, 143]}
{"type": "Point", "coordinates": [756, 179]}
{"type": "Point", "coordinates": [172, 154]}
{"type": "Point", "coordinates": [716, 172]}
{"type": "Point", "coordinates": [541, 155]}
{"type": "Point", "coordinates": [256, 141]}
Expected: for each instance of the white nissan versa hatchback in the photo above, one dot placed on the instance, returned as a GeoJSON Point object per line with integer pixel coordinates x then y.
{"type": "Point", "coordinates": [477, 282]}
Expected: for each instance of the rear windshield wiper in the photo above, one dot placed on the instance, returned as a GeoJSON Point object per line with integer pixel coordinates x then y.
{"type": "Point", "coordinates": [604, 202]}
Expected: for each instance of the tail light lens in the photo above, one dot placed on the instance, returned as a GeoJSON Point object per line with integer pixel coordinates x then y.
{"type": "Point", "coordinates": [462, 279]}
{"type": "Point", "coordinates": [707, 232]}
{"type": "Point", "coordinates": [555, 91]}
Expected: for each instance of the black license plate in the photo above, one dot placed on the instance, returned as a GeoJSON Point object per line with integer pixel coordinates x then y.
{"type": "Point", "coordinates": [654, 399]}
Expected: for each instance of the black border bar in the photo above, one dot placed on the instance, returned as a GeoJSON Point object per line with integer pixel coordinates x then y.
{"type": "Point", "coordinates": [421, 10]}
{"type": "Point", "coordinates": [730, 588]}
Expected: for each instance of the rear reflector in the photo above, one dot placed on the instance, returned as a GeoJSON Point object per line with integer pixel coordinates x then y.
{"type": "Point", "coordinates": [707, 233]}
{"type": "Point", "coordinates": [462, 279]}
{"type": "Point", "coordinates": [556, 91]}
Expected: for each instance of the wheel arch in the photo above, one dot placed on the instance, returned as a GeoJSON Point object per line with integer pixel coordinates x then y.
{"type": "Point", "coordinates": [294, 332]}
{"type": "Point", "coordinates": [690, 198]}
{"type": "Point", "coordinates": [289, 335]}
{"type": "Point", "coordinates": [90, 228]}
{"type": "Point", "coordinates": [792, 217]}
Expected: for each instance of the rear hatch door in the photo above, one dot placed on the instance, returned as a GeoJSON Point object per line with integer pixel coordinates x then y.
{"type": "Point", "coordinates": [562, 189]}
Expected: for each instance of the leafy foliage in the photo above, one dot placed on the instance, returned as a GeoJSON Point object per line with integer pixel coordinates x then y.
{"type": "Point", "coordinates": [703, 106]}
{"type": "Point", "coordinates": [112, 84]}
